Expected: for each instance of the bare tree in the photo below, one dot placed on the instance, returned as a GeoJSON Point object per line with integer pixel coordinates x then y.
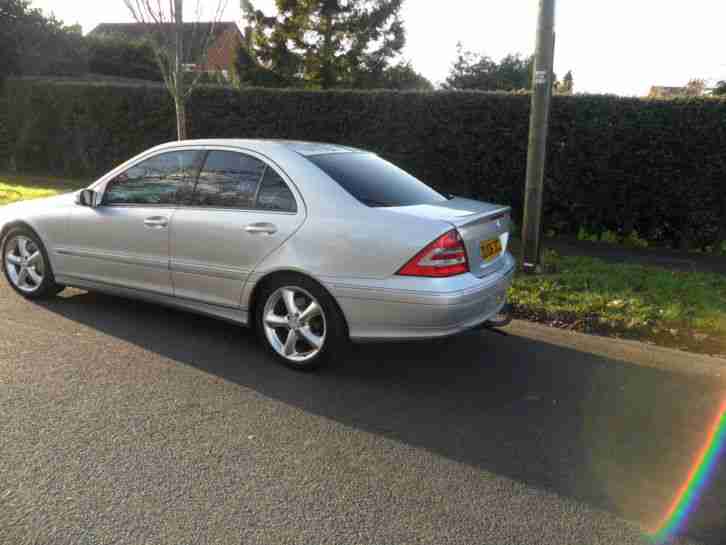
{"type": "Point", "coordinates": [167, 32]}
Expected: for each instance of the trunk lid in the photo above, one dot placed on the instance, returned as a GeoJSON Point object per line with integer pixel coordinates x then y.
{"type": "Point", "coordinates": [483, 226]}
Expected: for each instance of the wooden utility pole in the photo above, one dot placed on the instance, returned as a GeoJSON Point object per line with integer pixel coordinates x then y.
{"type": "Point", "coordinates": [538, 127]}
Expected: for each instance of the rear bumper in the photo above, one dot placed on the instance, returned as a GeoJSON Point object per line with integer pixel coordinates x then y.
{"type": "Point", "coordinates": [377, 313]}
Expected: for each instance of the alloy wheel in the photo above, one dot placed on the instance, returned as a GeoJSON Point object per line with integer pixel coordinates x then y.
{"type": "Point", "coordinates": [25, 264]}
{"type": "Point", "coordinates": [295, 324]}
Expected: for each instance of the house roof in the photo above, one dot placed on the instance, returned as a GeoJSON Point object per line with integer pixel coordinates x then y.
{"type": "Point", "coordinates": [194, 34]}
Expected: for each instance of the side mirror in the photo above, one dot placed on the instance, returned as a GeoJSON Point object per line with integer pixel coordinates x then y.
{"type": "Point", "coordinates": [87, 197]}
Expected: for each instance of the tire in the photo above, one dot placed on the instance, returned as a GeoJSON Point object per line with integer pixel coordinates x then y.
{"type": "Point", "coordinates": [324, 325]}
{"type": "Point", "coordinates": [26, 265]}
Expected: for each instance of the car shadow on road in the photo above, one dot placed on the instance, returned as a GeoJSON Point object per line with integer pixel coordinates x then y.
{"type": "Point", "coordinates": [616, 436]}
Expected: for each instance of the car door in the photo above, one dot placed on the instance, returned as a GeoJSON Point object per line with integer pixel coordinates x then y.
{"type": "Point", "coordinates": [125, 240]}
{"type": "Point", "coordinates": [240, 211]}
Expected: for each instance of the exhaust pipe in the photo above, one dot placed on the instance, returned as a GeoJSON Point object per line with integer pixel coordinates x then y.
{"type": "Point", "coordinates": [502, 319]}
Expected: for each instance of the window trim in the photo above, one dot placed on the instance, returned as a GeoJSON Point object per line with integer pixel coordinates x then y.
{"type": "Point", "coordinates": [355, 198]}
{"type": "Point", "coordinates": [269, 164]}
{"type": "Point", "coordinates": [102, 184]}
{"type": "Point", "coordinates": [255, 199]}
{"type": "Point", "coordinates": [126, 168]}
{"type": "Point", "coordinates": [259, 188]}
{"type": "Point", "coordinates": [207, 153]}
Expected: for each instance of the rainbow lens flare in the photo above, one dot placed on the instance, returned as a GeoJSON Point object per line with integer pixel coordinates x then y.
{"type": "Point", "coordinates": [688, 495]}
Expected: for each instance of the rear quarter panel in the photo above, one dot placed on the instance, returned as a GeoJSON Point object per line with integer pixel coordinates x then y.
{"type": "Point", "coordinates": [342, 240]}
{"type": "Point", "coordinates": [356, 245]}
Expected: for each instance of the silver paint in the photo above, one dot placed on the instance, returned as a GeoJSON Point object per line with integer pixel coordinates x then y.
{"type": "Point", "coordinates": [211, 260]}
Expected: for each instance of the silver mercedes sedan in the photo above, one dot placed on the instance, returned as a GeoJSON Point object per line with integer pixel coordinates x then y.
{"type": "Point", "coordinates": [311, 244]}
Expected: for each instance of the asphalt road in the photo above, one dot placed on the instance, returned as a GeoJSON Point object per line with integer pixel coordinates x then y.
{"type": "Point", "coordinates": [122, 422]}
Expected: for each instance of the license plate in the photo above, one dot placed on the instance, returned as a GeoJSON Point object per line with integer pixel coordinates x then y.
{"type": "Point", "coordinates": [490, 249]}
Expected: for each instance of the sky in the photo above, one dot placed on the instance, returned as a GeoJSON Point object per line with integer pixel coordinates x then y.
{"type": "Point", "coordinates": [612, 46]}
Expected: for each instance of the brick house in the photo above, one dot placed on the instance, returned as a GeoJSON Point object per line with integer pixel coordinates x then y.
{"type": "Point", "coordinates": [220, 54]}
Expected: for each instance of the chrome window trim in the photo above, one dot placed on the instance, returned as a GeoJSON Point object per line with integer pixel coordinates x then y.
{"type": "Point", "coordinates": [171, 207]}
{"type": "Point", "coordinates": [207, 153]}
{"type": "Point", "coordinates": [123, 168]}
{"type": "Point", "coordinates": [269, 163]}
{"type": "Point", "coordinates": [235, 210]}
{"type": "Point", "coordinates": [259, 189]}
{"type": "Point", "coordinates": [259, 186]}
{"type": "Point", "coordinates": [294, 189]}
{"type": "Point", "coordinates": [101, 184]}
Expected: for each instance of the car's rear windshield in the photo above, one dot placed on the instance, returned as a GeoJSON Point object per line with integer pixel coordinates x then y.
{"type": "Point", "coordinates": [374, 181]}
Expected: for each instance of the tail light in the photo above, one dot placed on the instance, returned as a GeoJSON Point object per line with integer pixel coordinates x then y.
{"type": "Point", "coordinates": [445, 256]}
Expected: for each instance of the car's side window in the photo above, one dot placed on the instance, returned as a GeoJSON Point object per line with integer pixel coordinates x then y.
{"type": "Point", "coordinates": [228, 180]}
{"type": "Point", "coordinates": [274, 195]}
{"type": "Point", "coordinates": [160, 180]}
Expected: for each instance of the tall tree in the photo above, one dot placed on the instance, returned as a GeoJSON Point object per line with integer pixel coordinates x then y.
{"type": "Point", "coordinates": [166, 22]}
{"type": "Point", "coordinates": [117, 55]}
{"type": "Point", "coordinates": [12, 13]}
{"type": "Point", "coordinates": [49, 47]}
{"type": "Point", "coordinates": [402, 77]}
{"type": "Point", "coordinates": [720, 89]}
{"type": "Point", "coordinates": [514, 72]}
{"type": "Point", "coordinates": [474, 71]}
{"type": "Point", "coordinates": [326, 43]}
{"type": "Point", "coordinates": [31, 43]}
{"type": "Point", "coordinates": [250, 72]}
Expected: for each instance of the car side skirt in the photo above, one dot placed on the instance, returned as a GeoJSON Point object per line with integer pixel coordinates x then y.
{"type": "Point", "coordinates": [231, 314]}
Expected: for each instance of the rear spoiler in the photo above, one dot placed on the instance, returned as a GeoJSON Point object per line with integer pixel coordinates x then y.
{"type": "Point", "coordinates": [484, 217]}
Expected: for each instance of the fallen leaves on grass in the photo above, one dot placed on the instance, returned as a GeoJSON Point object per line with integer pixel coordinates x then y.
{"type": "Point", "coordinates": [633, 301]}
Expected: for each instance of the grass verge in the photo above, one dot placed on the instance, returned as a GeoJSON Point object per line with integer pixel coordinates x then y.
{"type": "Point", "coordinates": [15, 187]}
{"type": "Point", "coordinates": [669, 308]}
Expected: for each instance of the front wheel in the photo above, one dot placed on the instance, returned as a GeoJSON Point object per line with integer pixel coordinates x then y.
{"type": "Point", "coordinates": [299, 322]}
{"type": "Point", "coordinates": [26, 265]}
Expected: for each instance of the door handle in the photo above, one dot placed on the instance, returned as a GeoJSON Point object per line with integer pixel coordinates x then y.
{"type": "Point", "coordinates": [261, 229]}
{"type": "Point", "coordinates": [156, 222]}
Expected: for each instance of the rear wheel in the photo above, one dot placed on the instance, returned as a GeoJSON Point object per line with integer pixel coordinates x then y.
{"type": "Point", "coordinates": [26, 265]}
{"type": "Point", "coordinates": [299, 322]}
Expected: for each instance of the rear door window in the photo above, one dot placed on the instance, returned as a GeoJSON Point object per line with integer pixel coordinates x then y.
{"type": "Point", "coordinates": [374, 181]}
{"type": "Point", "coordinates": [228, 180]}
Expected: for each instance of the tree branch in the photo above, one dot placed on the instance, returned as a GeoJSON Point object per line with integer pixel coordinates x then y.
{"type": "Point", "coordinates": [160, 16]}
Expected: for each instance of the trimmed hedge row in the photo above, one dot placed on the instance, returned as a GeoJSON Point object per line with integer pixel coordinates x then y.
{"type": "Point", "coordinates": [657, 168]}
{"type": "Point", "coordinates": [5, 145]}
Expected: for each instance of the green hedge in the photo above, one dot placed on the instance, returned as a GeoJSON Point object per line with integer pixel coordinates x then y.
{"type": "Point", "coordinates": [5, 142]}
{"type": "Point", "coordinates": [657, 168]}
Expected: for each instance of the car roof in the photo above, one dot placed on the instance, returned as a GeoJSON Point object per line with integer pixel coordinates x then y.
{"type": "Point", "coordinates": [306, 149]}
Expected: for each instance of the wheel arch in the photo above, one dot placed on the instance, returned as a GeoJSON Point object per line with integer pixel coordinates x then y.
{"type": "Point", "coordinates": [43, 233]}
{"type": "Point", "coordinates": [50, 286]}
{"type": "Point", "coordinates": [255, 289]}
{"type": "Point", "coordinates": [22, 224]}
